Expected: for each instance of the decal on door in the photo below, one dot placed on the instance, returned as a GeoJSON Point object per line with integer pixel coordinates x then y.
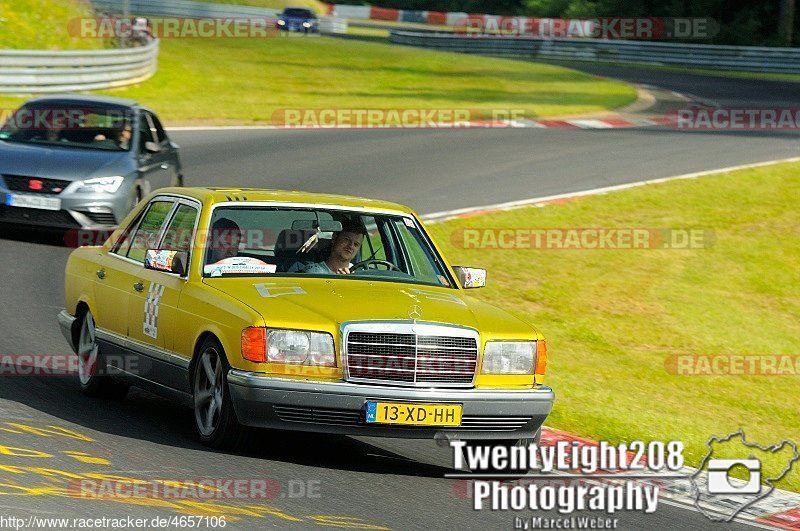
{"type": "Point", "coordinates": [150, 325]}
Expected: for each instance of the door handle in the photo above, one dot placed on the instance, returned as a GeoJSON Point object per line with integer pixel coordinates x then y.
{"type": "Point", "coordinates": [165, 166]}
{"type": "Point", "coordinates": [101, 274]}
{"type": "Point", "coordinates": [138, 286]}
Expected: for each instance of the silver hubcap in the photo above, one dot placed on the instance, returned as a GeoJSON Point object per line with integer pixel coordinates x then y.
{"type": "Point", "coordinates": [208, 391]}
{"type": "Point", "coordinates": [87, 350]}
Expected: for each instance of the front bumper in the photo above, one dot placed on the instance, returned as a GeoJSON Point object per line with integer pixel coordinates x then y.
{"type": "Point", "coordinates": [339, 407]}
{"type": "Point", "coordinates": [77, 211]}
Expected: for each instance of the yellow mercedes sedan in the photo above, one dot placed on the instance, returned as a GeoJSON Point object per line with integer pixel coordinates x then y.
{"type": "Point", "coordinates": [299, 311]}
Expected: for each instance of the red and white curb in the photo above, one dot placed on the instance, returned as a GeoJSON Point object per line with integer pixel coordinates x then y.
{"type": "Point", "coordinates": [446, 215]}
{"type": "Point", "coordinates": [780, 509]}
{"type": "Point", "coordinates": [577, 123]}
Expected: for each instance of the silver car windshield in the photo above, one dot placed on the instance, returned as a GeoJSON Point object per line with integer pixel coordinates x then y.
{"type": "Point", "coordinates": [90, 127]}
{"type": "Point", "coordinates": [282, 241]}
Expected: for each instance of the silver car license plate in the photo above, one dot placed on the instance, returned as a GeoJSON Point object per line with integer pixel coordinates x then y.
{"type": "Point", "coordinates": [33, 201]}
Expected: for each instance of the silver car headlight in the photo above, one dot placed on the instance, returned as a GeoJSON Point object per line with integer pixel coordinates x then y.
{"type": "Point", "coordinates": [509, 357]}
{"type": "Point", "coordinates": [299, 346]}
{"type": "Point", "coordinates": [103, 185]}
{"type": "Point", "coordinates": [306, 24]}
{"type": "Point", "coordinates": [281, 23]}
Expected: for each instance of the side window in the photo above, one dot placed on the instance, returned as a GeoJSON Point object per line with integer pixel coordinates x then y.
{"type": "Point", "coordinates": [373, 246]}
{"type": "Point", "coordinates": [145, 132]}
{"type": "Point", "coordinates": [146, 235]}
{"type": "Point", "coordinates": [178, 236]}
{"type": "Point", "coordinates": [161, 135]}
{"type": "Point", "coordinates": [421, 260]}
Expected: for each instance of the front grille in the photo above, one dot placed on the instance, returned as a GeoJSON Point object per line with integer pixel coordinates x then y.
{"type": "Point", "coordinates": [101, 218]}
{"type": "Point", "coordinates": [337, 417]}
{"type": "Point", "coordinates": [492, 423]}
{"type": "Point", "coordinates": [21, 183]}
{"type": "Point", "coordinates": [345, 417]}
{"type": "Point", "coordinates": [417, 359]}
{"type": "Point", "coordinates": [35, 216]}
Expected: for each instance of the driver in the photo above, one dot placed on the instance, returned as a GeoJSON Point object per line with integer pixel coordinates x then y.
{"type": "Point", "coordinates": [344, 247]}
{"type": "Point", "coordinates": [225, 238]}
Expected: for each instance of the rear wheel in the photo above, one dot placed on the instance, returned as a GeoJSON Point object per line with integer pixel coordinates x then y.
{"type": "Point", "coordinates": [215, 420]}
{"type": "Point", "coordinates": [91, 365]}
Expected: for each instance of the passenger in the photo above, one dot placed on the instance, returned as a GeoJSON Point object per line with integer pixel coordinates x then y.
{"type": "Point", "coordinates": [122, 136]}
{"type": "Point", "coordinates": [224, 240]}
{"type": "Point", "coordinates": [344, 247]}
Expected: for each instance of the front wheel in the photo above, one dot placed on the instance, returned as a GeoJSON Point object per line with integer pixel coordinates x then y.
{"type": "Point", "coordinates": [91, 365]}
{"type": "Point", "coordinates": [215, 420]}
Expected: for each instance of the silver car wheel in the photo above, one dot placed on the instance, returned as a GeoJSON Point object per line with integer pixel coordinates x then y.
{"type": "Point", "coordinates": [87, 350]}
{"type": "Point", "coordinates": [208, 391]}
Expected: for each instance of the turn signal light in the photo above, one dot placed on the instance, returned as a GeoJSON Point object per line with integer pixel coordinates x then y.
{"type": "Point", "coordinates": [541, 357]}
{"type": "Point", "coordinates": [254, 344]}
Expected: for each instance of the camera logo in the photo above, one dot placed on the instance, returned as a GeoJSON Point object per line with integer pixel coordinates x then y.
{"type": "Point", "coordinates": [726, 484]}
{"type": "Point", "coordinates": [719, 479]}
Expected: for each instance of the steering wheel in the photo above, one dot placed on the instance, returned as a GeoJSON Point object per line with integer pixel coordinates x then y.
{"type": "Point", "coordinates": [366, 263]}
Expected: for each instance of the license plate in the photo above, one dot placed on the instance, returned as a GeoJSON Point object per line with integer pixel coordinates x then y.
{"type": "Point", "coordinates": [414, 414]}
{"type": "Point", "coordinates": [33, 201]}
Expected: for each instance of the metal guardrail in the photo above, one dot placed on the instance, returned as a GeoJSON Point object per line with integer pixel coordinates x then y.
{"type": "Point", "coordinates": [189, 9]}
{"type": "Point", "coordinates": [41, 71]}
{"type": "Point", "coordinates": [745, 58]}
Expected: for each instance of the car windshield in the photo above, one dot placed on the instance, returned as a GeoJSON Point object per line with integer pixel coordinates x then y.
{"type": "Point", "coordinates": [283, 241]}
{"type": "Point", "coordinates": [74, 125]}
{"type": "Point", "coordinates": [298, 13]}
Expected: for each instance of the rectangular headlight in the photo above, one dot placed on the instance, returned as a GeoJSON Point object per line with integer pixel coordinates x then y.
{"type": "Point", "coordinates": [509, 357]}
{"type": "Point", "coordinates": [299, 347]}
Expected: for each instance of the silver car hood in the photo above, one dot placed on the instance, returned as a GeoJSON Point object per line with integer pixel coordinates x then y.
{"type": "Point", "coordinates": [62, 163]}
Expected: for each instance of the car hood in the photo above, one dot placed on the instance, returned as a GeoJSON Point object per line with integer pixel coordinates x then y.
{"type": "Point", "coordinates": [60, 163]}
{"type": "Point", "coordinates": [324, 304]}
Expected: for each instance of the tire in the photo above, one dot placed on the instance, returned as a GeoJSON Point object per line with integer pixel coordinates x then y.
{"type": "Point", "coordinates": [91, 365]}
{"type": "Point", "coordinates": [214, 418]}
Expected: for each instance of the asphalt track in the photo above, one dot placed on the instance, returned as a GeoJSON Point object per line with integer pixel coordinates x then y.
{"type": "Point", "coordinates": [147, 437]}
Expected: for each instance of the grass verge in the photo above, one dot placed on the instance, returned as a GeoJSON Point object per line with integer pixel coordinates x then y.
{"type": "Point", "coordinates": [43, 25]}
{"type": "Point", "coordinates": [243, 81]}
{"type": "Point", "coordinates": [614, 317]}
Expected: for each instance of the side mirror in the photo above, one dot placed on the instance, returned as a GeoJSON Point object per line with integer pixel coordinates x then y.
{"type": "Point", "coordinates": [167, 261]}
{"type": "Point", "coordinates": [470, 277]}
{"type": "Point", "coordinates": [152, 147]}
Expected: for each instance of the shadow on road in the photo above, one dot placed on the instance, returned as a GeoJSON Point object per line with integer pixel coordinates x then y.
{"type": "Point", "coordinates": [144, 418]}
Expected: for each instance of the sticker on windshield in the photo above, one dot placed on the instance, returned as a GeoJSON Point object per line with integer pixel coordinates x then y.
{"type": "Point", "coordinates": [409, 223]}
{"type": "Point", "coordinates": [150, 324]}
{"type": "Point", "coordinates": [239, 265]}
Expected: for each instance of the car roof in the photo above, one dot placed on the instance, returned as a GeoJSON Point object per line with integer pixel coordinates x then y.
{"type": "Point", "coordinates": [250, 195]}
{"type": "Point", "coordinates": [85, 99]}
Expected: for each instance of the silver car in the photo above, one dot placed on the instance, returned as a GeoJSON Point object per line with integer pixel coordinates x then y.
{"type": "Point", "coordinates": [76, 162]}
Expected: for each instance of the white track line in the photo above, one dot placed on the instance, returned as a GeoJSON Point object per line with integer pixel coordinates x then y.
{"type": "Point", "coordinates": [450, 214]}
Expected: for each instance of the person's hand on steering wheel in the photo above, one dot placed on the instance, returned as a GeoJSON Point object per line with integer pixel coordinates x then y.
{"type": "Point", "coordinates": [364, 264]}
